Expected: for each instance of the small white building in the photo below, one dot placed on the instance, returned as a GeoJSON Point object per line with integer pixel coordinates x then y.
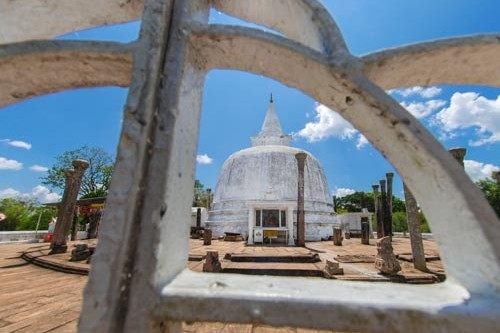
{"type": "Point", "coordinates": [256, 193]}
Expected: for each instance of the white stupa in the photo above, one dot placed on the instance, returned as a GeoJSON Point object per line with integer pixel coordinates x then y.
{"type": "Point", "coordinates": [256, 193]}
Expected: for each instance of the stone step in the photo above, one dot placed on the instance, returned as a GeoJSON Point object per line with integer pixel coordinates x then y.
{"type": "Point", "coordinates": [273, 268]}
{"type": "Point", "coordinates": [278, 258]}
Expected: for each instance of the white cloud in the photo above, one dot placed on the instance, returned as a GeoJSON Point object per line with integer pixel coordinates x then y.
{"type": "Point", "coordinates": [6, 164]}
{"type": "Point", "coordinates": [342, 191]}
{"type": "Point", "coordinates": [17, 143]}
{"type": "Point", "coordinates": [40, 193]}
{"type": "Point", "coordinates": [204, 159]}
{"type": "Point", "coordinates": [478, 170]}
{"type": "Point", "coordinates": [9, 193]}
{"type": "Point", "coordinates": [362, 141]}
{"type": "Point", "coordinates": [423, 109]}
{"type": "Point", "coordinates": [469, 110]}
{"type": "Point", "coordinates": [44, 195]}
{"type": "Point", "coordinates": [38, 168]}
{"type": "Point", "coordinates": [328, 123]}
{"type": "Point", "coordinates": [428, 92]}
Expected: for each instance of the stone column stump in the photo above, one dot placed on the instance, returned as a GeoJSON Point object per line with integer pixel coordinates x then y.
{"type": "Point", "coordinates": [386, 262]}
{"type": "Point", "coordinates": [207, 237]}
{"type": "Point", "coordinates": [337, 236]}
{"type": "Point", "coordinates": [365, 232]}
{"type": "Point", "coordinates": [332, 267]}
{"type": "Point", "coordinates": [212, 263]}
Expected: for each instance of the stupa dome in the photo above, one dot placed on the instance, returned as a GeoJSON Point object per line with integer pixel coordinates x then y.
{"type": "Point", "coordinates": [265, 177]}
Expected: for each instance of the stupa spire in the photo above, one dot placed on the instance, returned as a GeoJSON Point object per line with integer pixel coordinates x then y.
{"type": "Point", "coordinates": [271, 132]}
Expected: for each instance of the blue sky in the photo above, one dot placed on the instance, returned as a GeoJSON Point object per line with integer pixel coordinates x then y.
{"type": "Point", "coordinates": [234, 105]}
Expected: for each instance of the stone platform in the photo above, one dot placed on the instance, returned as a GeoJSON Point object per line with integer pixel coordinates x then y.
{"type": "Point", "coordinates": [31, 294]}
{"type": "Point", "coordinates": [357, 260]}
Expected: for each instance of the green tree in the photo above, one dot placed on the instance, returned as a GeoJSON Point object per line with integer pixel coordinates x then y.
{"type": "Point", "coordinates": [17, 213]}
{"type": "Point", "coordinates": [399, 222]}
{"type": "Point", "coordinates": [44, 213]}
{"type": "Point", "coordinates": [491, 191]}
{"type": "Point", "coordinates": [200, 195]}
{"type": "Point", "coordinates": [424, 226]}
{"type": "Point", "coordinates": [97, 177]}
{"type": "Point", "coordinates": [354, 202]}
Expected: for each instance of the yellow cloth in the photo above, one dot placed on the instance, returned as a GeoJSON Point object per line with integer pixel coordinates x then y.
{"type": "Point", "coordinates": [270, 233]}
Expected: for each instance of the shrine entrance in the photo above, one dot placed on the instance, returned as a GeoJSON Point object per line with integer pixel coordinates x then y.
{"type": "Point", "coordinates": [270, 222]}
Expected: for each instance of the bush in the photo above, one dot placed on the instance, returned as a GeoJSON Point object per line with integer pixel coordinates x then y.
{"type": "Point", "coordinates": [399, 223]}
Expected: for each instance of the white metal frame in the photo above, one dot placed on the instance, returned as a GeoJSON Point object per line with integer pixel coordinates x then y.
{"type": "Point", "coordinates": [138, 280]}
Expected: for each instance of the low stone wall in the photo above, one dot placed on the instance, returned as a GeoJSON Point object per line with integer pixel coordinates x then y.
{"type": "Point", "coordinates": [26, 236]}
{"type": "Point", "coordinates": [21, 236]}
{"type": "Point", "coordinates": [425, 235]}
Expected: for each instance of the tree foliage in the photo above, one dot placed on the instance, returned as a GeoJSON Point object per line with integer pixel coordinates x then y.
{"type": "Point", "coordinates": [97, 177]}
{"type": "Point", "coordinates": [23, 215]}
{"type": "Point", "coordinates": [200, 194]}
{"type": "Point", "coordinates": [491, 191]}
{"type": "Point", "coordinates": [354, 202]}
{"type": "Point", "coordinates": [400, 222]}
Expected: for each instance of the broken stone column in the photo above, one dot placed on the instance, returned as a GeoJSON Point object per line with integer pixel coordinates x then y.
{"type": "Point", "coordinates": [386, 262]}
{"type": "Point", "coordinates": [207, 237]}
{"type": "Point", "coordinates": [212, 263]}
{"type": "Point", "coordinates": [332, 267]}
{"type": "Point", "coordinates": [80, 252]}
{"type": "Point", "coordinates": [417, 244]}
{"type": "Point", "coordinates": [459, 154]}
{"type": "Point", "coordinates": [337, 236]}
{"type": "Point", "coordinates": [377, 202]}
{"type": "Point", "coordinates": [301, 158]}
{"type": "Point", "coordinates": [365, 231]}
{"type": "Point", "coordinates": [66, 209]}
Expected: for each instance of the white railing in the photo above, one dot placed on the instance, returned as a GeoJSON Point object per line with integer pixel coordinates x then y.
{"type": "Point", "coordinates": [138, 280]}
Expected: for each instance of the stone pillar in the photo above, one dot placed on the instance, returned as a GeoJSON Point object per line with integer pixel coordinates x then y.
{"type": "Point", "coordinates": [365, 231]}
{"type": "Point", "coordinates": [209, 198]}
{"type": "Point", "coordinates": [337, 236]}
{"type": "Point", "coordinates": [301, 158]}
{"type": "Point", "coordinates": [207, 237]}
{"type": "Point", "coordinates": [389, 177]}
{"type": "Point", "coordinates": [459, 154]}
{"type": "Point", "coordinates": [251, 219]}
{"type": "Point", "coordinates": [94, 221]}
{"type": "Point", "coordinates": [212, 263]}
{"type": "Point", "coordinates": [417, 245]}
{"type": "Point", "coordinates": [376, 202]}
{"type": "Point", "coordinates": [74, 224]}
{"type": "Point", "coordinates": [334, 201]}
{"type": "Point", "coordinates": [198, 217]}
{"type": "Point", "coordinates": [383, 208]}
{"type": "Point", "coordinates": [67, 207]}
{"type": "Point", "coordinates": [289, 218]}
